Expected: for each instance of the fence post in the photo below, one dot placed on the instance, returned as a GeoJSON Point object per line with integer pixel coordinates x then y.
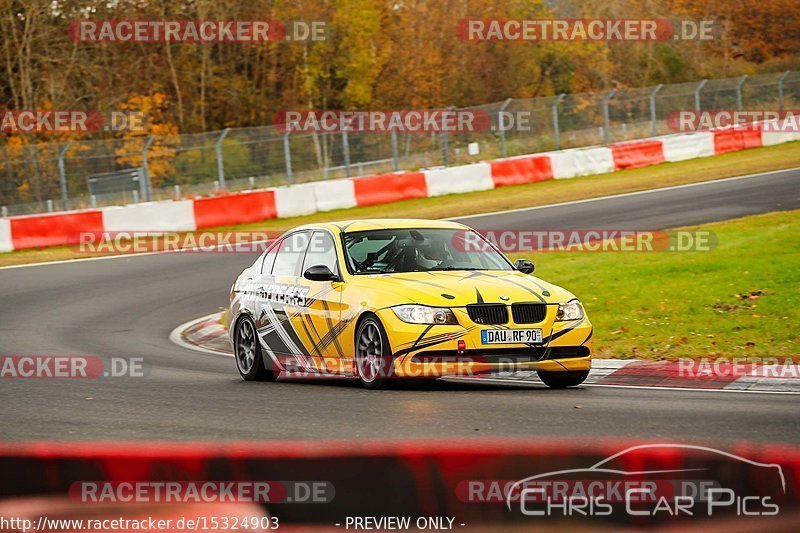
{"type": "Point", "coordinates": [62, 175]}
{"type": "Point", "coordinates": [146, 169]}
{"type": "Point", "coordinates": [395, 157]}
{"type": "Point", "coordinates": [501, 124]}
{"type": "Point", "coordinates": [697, 94]}
{"type": "Point", "coordinates": [445, 141]}
{"type": "Point", "coordinates": [287, 156]}
{"type": "Point", "coordinates": [606, 120]}
{"type": "Point", "coordinates": [346, 152]}
{"type": "Point", "coordinates": [220, 166]}
{"type": "Point", "coordinates": [780, 90]}
{"type": "Point", "coordinates": [554, 109]}
{"type": "Point", "coordinates": [739, 92]}
{"type": "Point", "coordinates": [653, 128]}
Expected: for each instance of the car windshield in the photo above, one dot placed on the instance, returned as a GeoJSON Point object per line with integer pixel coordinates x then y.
{"type": "Point", "coordinates": [420, 250]}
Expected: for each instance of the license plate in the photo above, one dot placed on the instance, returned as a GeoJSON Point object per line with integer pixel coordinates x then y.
{"type": "Point", "coordinates": [511, 336]}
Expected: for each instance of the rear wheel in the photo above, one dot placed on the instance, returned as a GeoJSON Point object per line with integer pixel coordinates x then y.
{"type": "Point", "coordinates": [247, 351]}
{"type": "Point", "coordinates": [373, 355]}
{"type": "Point", "coordinates": [562, 380]}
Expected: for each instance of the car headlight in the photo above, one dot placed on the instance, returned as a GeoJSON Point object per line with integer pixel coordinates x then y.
{"type": "Point", "coordinates": [422, 314]}
{"type": "Point", "coordinates": [572, 310]}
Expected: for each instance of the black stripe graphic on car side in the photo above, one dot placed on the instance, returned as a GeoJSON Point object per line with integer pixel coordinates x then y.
{"type": "Point", "coordinates": [453, 336]}
{"type": "Point", "coordinates": [421, 335]}
{"type": "Point", "coordinates": [564, 331]}
{"type": "Point", "coordinates": [333, 334]}
{"type": "Point", "coordinates": [442, 336]}
{"type": "Point", "coordinates": [422, 282]}
{"type": "Point", "coordinates": [291, 333]}
{"type": "Point", "coordinates": [306, 322]}
{"type": "Point", "coordinates": [331, 327]}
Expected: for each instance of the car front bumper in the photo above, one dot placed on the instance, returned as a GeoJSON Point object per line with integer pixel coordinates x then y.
{"type": "Point", "coordinates": [425, 351]}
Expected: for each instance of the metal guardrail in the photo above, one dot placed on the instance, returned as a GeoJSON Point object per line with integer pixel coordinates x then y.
{"type": "Point", "coordinates": [33, 175]}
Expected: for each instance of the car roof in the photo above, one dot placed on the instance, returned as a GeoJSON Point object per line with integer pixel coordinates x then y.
{"type": "Point", "coordinates": [348, 226]}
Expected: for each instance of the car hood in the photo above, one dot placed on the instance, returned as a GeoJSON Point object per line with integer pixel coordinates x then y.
{"type": "Point", "coordinates": [460, 288]}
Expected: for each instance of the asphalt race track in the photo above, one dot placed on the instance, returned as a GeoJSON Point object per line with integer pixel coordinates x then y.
{"type": "Point", "coordinates": [126, 307]}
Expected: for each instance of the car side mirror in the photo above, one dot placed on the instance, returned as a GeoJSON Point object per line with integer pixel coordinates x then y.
{"type": "Point", "coordinates": [320, 273]}
{"type": "Point", "coordinates": [525, 266]}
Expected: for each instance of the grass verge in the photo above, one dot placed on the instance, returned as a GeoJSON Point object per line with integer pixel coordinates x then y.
{"type": "Point", "coordinates": [742, 299]}
{"type": "Point", "coordinates": [705, 169]}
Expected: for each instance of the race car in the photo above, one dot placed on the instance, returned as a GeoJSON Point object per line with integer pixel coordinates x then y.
{"type": "Point", "coordinates": [391, 299]}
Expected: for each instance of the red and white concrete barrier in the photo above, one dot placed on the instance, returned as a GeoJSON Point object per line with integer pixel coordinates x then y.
{"type": "Point", "coordinates": [522, 169]}
{"type": "Point", "coordinates": [779, 131]}
{"type": "Point", "coordinates": [735, 139]}
{"type": "Point", "coordinates": [334, 194]}
{"type": "Point", "coordinates": [688, 146]}
{"type": "Point", "coordinates": [6, 243]}
{"type": "Point", "coordinates": [454, 180]}
{"type": "Point", "coordinates": [154, 216]}
{"type": "Point", "coordinates": [637, 154]}
{"type": "Point", "coordinates": [581, 162]}
{"type": "Point", "coordinates": [54, 229]}
{"type": "Point", "coordinates": [388, 188]}
{"type": "Point", "coordinates": [228, 210]}
{"type": "Point", "coordinates": [295, 201]}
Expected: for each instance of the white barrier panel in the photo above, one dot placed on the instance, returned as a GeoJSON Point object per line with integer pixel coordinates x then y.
{"type": "Point", "coordinates": [782, 131]}
{"type": "Point", "coordinates": [581, 162]}
{"type": "Point", "coordinates": [688, 146]}
{"type": "Point", "coordinates": [154, 216]}
{"type": "Point", "coordinates": [334, 194]}
{"type": "Point", "coordinates": [6, 244]}
{"type": "Point", "coordinates": [295, 200]}
{"type": "Point", "coordinates": [469, 178]}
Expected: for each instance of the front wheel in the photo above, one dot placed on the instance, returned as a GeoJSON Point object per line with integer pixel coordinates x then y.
{"type": "Point", "coordinates": [373, 355]}
{"type": "Point", "coordinates": [247, 351]}
{"type": "Point", "coordinates": [562, 380]}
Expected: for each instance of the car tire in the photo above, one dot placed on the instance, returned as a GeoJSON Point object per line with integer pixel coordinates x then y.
{"type": "Point", "coordinates": [562, 380]}
{"type": "Point", "coordinates": [247, 352]}
{"type": "Point", "coordinates": [373, 357]}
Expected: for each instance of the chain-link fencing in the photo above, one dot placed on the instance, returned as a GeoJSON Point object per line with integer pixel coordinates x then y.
{"type": "Point", "coordinates": [48, 176]}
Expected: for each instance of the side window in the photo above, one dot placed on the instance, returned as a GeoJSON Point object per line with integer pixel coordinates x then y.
{"type": "Point", "coordinates": [321, 251]}
{"type": "Point", "coordinates": [269, 258]}
{"type": "Point", "coordinates": [290, 253]}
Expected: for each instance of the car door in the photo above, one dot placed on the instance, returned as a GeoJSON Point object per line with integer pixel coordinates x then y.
{"type": "Point", "coordinates": [319, 325]}
{"type": "Point", "coordinates": [279, 299]}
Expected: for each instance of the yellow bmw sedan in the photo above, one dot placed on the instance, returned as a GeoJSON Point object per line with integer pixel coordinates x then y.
{"type": "Point", "coordinates": [391, 299]}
